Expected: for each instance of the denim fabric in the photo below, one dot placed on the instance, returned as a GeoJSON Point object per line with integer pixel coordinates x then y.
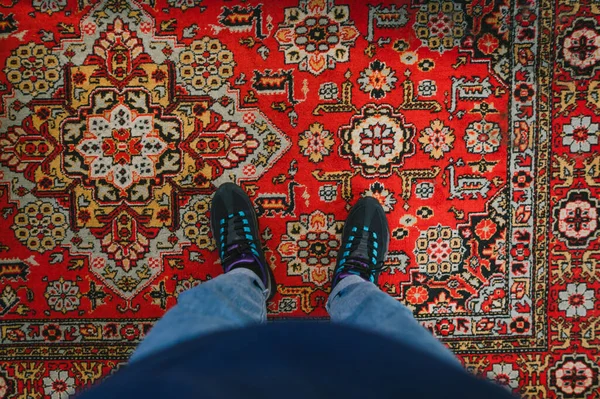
{"type": "Point", "coordinates": [361, 304]}
{"type": "Point", "coordinates": [231, 300]}
{"type": "Point", "coordinates": [237, 299]}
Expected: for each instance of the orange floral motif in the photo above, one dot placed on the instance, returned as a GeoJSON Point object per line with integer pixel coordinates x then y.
{"type": "Point", "coordinates": [485, 229]}
{"type": "Point", "coordinates": [488, 43]}
{"type": "Point", "coordinates": [417, 295]}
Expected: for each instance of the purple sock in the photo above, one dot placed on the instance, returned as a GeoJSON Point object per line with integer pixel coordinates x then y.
{"type": "Point", "coordinates": [247, 261]}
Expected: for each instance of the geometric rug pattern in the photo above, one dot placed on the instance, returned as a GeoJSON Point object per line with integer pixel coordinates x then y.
{"type": "Point", "coordinates": [474, 123]}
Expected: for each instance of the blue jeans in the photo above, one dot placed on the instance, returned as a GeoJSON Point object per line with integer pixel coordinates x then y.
{"type": "Point", "coordinates": [237, 299]}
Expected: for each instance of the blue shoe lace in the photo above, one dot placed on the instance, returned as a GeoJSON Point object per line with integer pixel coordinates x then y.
{"type": "Point", "coordinates": [234, 250]}
{"type": "Point", "coordinates": [364, 268]}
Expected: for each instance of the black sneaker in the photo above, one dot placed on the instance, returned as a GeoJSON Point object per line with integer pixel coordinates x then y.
{"type": "Point", "coordinates": [235, 229]}
{"type": "Point", "coordinates": [365, 242]}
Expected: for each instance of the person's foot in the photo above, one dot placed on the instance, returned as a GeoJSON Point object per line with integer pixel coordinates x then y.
{"type": "Point", "coordinates": [235, 229]}
{"type": "Point", "coordinates": [365, 242]}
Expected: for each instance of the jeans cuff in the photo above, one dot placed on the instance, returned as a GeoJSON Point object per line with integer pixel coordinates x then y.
{"type": "Point", "coordinates": [345, 282]}
{"type": "Point", "coordinates": [255, 279]}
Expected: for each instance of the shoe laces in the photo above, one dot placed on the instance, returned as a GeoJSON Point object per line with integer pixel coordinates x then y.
{"type": "Point", "coordinates": [244, 244]}
{"type": "Point", "coordinates": [361, 239]}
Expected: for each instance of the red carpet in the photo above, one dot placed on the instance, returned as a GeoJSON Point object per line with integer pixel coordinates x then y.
{"type": "Point", "coordinates": [474, 123]}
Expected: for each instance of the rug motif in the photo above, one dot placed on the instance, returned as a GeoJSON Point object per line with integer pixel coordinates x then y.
{"type": "Point", "coordinates": [475, 124]}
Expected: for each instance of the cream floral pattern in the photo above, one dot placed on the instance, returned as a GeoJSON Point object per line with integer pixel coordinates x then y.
{"type": "Point", "coordinates": [437, 139]}
{"type": "Point", "coordinates": [59, 384]}
{"type": "Point", "coordinates": [440, 24]}
{"type": "Point", "coordinates": [316, 142]}
{"type": "Point", "coordinates": [581, 134]}
{"type": "Point", "coordinates": [482, 137]}
{"type": "Point", "coordinates": [32, 69]}
{"type": "Point", "coordinates": [130, 147]}
{"type": "Point", "coordinates": [40, 226]}
{"type": "Point", "coordinates": [316, 35]}
{"type": "Point", "coordinates": [206, 65]}
{"type": "Point", "coordinates": [439, 251]}
{"type": "Point", "coordinates": [62, 295]}
{"type": "Point", "coordinates": [310, 246]}
{"type": "Point", "coordinates": [196, 224]}
{"type": "Point", "coordinates": [576, 300]}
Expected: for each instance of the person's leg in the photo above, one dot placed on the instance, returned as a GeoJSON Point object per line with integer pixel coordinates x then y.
{"type": "Point", "coordinates": [231, 300]}
{"type": "Point", "coordinates": [355, 298]}
{"type": "Point", "coordinates": [234, 299]}
{"type": "Point", "coordinates": [362, 304]}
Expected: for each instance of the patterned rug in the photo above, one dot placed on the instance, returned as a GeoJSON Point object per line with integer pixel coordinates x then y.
{"type": "Point", "coordinates": [474, 123]}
